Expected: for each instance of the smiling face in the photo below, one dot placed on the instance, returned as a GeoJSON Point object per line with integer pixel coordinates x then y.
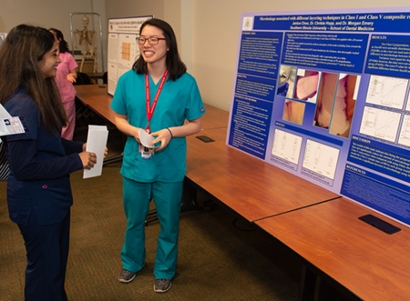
{"type": "Point", "coordinates": [48, 65]}
{"type": "Point", "coordinates": [153, 54]}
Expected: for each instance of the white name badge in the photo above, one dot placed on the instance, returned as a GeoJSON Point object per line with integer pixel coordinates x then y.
{"type": "Point", "coordinates": [11, 126]}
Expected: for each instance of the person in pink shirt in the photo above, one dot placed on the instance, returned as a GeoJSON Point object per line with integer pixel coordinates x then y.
{"type": "Point", "coordinates": [65, 77]}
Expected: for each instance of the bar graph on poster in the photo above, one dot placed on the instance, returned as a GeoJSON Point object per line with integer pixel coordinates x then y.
{"type": "Point", "coordinates": [325, 96]}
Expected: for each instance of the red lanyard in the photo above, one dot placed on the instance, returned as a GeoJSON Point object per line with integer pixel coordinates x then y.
{"type": "Point", "coordinates": [150, 110]}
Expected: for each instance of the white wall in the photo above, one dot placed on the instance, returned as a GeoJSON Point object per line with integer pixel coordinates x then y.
{"type": "Point", "coordinates": [49, 13]}
{"type": "Point", "coordinates": [207, 30]}
{"type": "Point", "coordinates": [132, 8]}
{"type": "Point", "coordinates": [216, 27]}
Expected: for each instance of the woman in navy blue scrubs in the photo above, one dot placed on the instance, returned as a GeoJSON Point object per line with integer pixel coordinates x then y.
{"type": "Point", "coordinates": [38, 190]}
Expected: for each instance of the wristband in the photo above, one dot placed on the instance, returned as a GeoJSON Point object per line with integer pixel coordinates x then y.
{"type": "Point", "coordinates": [172, 136]}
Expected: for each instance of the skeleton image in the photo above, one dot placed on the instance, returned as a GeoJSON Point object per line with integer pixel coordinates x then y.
{"type": "Point", "coordinates": [86, 40]}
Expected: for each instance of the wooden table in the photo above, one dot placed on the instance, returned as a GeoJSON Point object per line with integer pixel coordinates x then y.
{"type": "Point", "coordinates": [249, 186]}
{"type": "Point", "coordinates": [214, 118]}
{"type": "Point", "coordinates": [97, 98]}
{"type": "Point", "coordinates": [369, 263]}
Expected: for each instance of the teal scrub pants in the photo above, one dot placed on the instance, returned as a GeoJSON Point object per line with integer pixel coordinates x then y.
{"type": "Point", "coordinates": [167, 198]}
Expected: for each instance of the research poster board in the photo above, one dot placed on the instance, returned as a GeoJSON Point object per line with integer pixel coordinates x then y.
{"type": "Point", "coordinates": [122, 47]}
{"type": "Point", "coordinates": [325, 96]}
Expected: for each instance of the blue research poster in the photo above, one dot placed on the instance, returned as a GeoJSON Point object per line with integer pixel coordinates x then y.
{"type": "Point", "coordinates": [325, 96]}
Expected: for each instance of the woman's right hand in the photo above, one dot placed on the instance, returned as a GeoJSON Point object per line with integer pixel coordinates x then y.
{"type": "Point", "coordinates": [88, 159]}
{"type": "Point", "coordinates": [136, 134]}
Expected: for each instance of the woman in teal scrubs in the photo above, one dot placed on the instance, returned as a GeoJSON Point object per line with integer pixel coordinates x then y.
{"type": "Point", "coordinates": [157, 96]}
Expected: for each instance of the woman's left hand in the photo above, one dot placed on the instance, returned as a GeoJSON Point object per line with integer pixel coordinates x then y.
{"type": "Point", "coordinates": [163, 136]}
{"type": "Point", "coordinates": [71, 78]}
{"type": "Point", "coordinates": [105, 150]}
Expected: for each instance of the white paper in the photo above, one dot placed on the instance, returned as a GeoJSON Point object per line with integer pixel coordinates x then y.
{"type": "Point", "coordinates": [96, 142]}
{"type": "Point", "coordinates": [146, 139]}
{"type": "Point", "coordinates": [3, 112]}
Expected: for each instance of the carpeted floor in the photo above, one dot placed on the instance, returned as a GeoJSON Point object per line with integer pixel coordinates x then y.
{"type": "Point", "coordinates": [220, 257]}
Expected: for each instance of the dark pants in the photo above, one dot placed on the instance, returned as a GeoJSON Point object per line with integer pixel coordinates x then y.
{"type": "Point", "coordinates": [47, 254]}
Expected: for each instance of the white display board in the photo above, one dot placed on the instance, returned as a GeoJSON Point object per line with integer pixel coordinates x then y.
{"type": "Point", "coordinates": [122, 47]}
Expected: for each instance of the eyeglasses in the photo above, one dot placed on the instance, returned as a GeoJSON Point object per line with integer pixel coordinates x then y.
{"type": "Point", "coordinates": [151, 40]}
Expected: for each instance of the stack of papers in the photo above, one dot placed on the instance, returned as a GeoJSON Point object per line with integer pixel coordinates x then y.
{"type": "Point", "coordinates": [96, 142]}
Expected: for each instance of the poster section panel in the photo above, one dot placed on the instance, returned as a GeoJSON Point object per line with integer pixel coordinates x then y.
{"type": "Point", "coordinates": [325, 96]}
{"type": "Point", "coordinates": [122, 47]}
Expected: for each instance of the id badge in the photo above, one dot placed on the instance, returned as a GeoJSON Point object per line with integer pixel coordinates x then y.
{"type": "Point", "coordinates": [146, 152]}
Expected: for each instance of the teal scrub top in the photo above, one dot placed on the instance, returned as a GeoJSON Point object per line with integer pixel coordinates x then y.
{"type": "Point", "coordinates": [179, 100]}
